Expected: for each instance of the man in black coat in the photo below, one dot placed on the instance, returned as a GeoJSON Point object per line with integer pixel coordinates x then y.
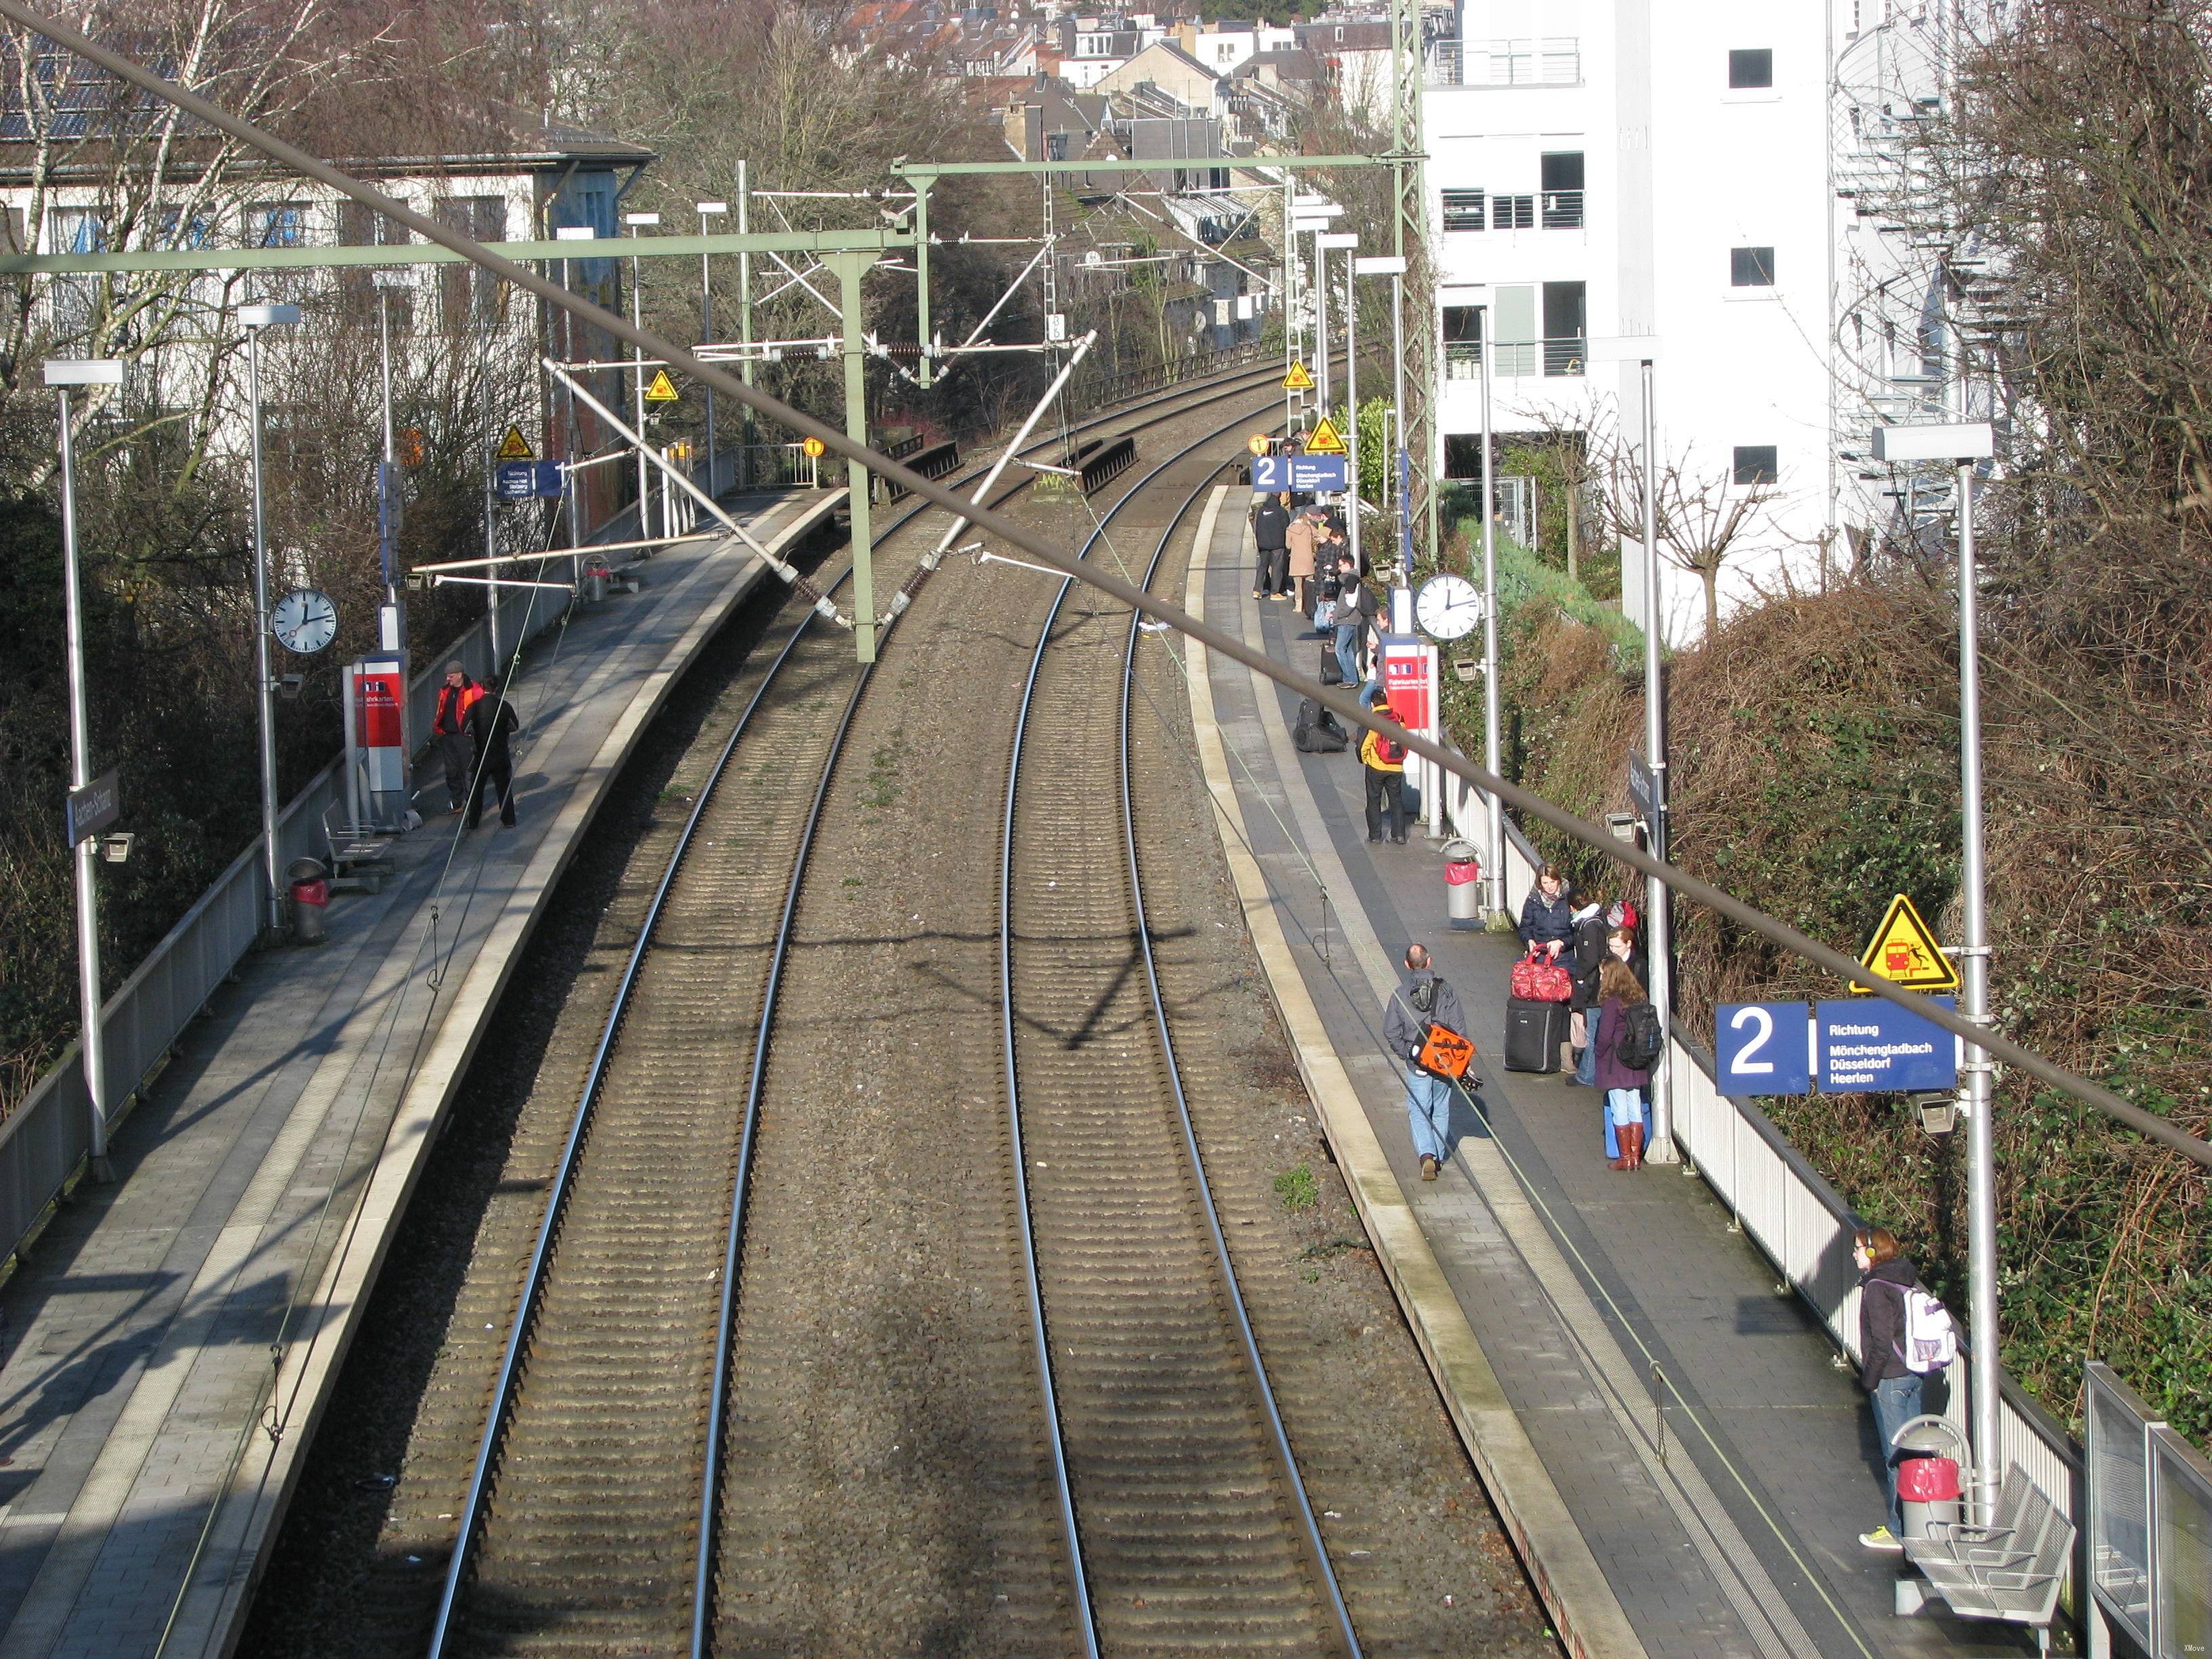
{"type": "Point", "coordinates": [1270, 533]}
{"type": "Point", "coordinates": [491, 722]}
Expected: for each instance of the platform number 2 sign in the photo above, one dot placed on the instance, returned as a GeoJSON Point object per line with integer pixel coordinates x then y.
{"type": "Point", "coordinates": [1763, 1048]}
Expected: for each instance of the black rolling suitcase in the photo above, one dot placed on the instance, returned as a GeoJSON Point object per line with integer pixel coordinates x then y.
{"type": "Point", "coordinates": [1534, 1032]}
{"type": "Point", "coordinates": [1331, 671]}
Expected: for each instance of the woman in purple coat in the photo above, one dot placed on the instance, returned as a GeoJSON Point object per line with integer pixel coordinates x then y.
{"type": "Point", "coordinates": [1618, 991]}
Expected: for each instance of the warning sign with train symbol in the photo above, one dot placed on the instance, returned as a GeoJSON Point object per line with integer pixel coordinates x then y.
{"type": "Point", "coordinates": [1903, 951]}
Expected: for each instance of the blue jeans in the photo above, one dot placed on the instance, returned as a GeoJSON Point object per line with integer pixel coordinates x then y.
{"type": "Point", "coordinates": [1896, 1402]}
{"type": "Point", "coordinates": [1347, 652]}
{"type": "Point", "coordinates": [1586, 1067]}
{"type": "Point", "coordinates": [1428, 1108]}
{"type": "Point", "coordinates": [1624, 1107]}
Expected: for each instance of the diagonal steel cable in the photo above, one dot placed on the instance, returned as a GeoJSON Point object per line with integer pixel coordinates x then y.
{"type": "Point", "coordinates": [2150, 1125]}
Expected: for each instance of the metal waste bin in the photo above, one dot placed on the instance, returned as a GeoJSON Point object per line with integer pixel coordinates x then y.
{"type": "Point", "coordinates": [1927, 1475]}
{"type": "Point", "coordinates": [310, 895]}
{"type": "Point", "coordinates": [595, 581]}
{"type": "Point", "coordinates": [1462, 883]}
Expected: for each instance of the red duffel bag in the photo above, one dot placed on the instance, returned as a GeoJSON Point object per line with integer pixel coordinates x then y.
{"type": "Point", "coordinates": [1537, 978]}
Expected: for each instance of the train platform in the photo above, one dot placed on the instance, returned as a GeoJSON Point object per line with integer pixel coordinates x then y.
{"type": "Point", "coordinates": [1544, 1286]}
{"type": "Point", "coordinates": [172, 1334]}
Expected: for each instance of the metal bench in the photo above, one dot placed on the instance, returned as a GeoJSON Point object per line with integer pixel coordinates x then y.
{"type": "Point", "coordinates": [2009, 1568]}
{"type": "Point", "coordinates": [360, 858]}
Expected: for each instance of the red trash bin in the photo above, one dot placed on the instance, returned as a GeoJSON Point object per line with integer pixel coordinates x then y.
{"type": "Point", "coordinates": [310, 895]}
{"type": "Point", "coordinates": [1462, 883]}
{"type": "Point", "coordinates": [1927, 1490]}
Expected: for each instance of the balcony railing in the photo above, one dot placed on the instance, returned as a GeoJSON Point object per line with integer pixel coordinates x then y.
{"type": "Point", "coordinates": [1553, 61]}
{"type": "Point", "coordinates": [1516, 359]}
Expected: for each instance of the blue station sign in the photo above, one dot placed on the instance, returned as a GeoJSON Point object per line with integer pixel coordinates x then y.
{"type": "Point", "coordinates": [1863, 1047]}
{"type": "Point", "coordinates": [1301, 475]}
{"type": "Point", "coordinates": [1874, 1047]}
{"type": "Point", "coordinates": [524, 481]}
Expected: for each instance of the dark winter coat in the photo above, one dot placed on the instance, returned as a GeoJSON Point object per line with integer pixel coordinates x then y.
{"type": "Point", "coordinates": [490, 721]}
{"type": "Point", "coordinates": [1614, 1073]}
{"type": "Point", "coordinates": [1543, 920]}
{"type": "Point", "coordinates": [1589, 954]}
{"type": "Point", "coordinates": [1882, 1321]}
{"type": "Point", "coordinates": [1271, 525]}
{"type": "Point", "coordinates": [1403, 1026]}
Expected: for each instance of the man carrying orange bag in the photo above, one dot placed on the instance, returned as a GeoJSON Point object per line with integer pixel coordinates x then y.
{"type": "Point", "coordinates": [1425, 1029]}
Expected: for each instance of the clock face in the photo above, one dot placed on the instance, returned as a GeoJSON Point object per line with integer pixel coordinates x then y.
{"type": "Point", "coordinates": [1448, 606]}
{"type": "Point", "coordinates": [304, 620]}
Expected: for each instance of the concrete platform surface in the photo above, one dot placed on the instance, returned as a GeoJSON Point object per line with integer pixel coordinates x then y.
{"type": "Point", "coordinates": [1726, 1529]}
{"type": "Point", "coordinates": [171, 1335]}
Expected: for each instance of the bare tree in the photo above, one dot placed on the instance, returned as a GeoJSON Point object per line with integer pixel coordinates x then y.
{"type": "Point", "coordinates": [1704, 518]}
{"type": "Point", "coordinates": [98, 167]}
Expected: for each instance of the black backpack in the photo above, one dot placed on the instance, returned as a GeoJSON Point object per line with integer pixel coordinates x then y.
{"type": "Point", "coordinates": [1641, 1039]}
{"type": "Point", "coordinates": [1316, 732]}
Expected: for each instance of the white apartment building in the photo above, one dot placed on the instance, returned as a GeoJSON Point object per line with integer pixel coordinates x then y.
{"type": "Point", "coordinates": [1646, 167]}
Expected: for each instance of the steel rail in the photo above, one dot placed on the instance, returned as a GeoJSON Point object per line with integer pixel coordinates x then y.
{"type": "Point", "coordinates": [1595, 837]}
{"type": "Point", "coordinates": [1309, 1527]}
{"type": "Point", "coordinates": [473, 1508]}
{"type": "Point", "coordinates": [1039, 1332]}
{"type": "Point", "coordinates": [711, 1483]}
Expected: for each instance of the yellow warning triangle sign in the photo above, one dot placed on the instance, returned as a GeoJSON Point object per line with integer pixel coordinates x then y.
{"type": "Point", "coordinates": [516, 447]}
{"type": "Point", "coordinates": [1325, 439]}
{"type": "Point", "coordinates": [1297, 380]}
{"type": "Point", "coordinates": [1903, 951]}
{"type": "Point", "coordinates": [663, 390]}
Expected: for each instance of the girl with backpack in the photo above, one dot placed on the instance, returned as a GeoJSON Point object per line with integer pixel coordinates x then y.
{"type": "Point", "coordinates": [1904, 1334]}
{"type": "Point", "coordinates": [1626, 1051]}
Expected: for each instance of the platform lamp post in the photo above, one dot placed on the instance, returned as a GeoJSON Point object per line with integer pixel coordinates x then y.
{"type": "Point", "coordinates": [393, 616]}
{"type": "Point", "coordinates": [255, 319]}
{"type": "Point", "coordinates": [1392, 265]}
{"type": "Point", "coordinates": [575, 491]}
{"type": "Point", "coordinates": [1324, 244]}
{"type": "Point", "coordinates": [709, 210]}
{"type": "Point", "coordinates": [639, 223]}
{"type": "Point", "coordinates": [1965, 444]}
{"type": "Point", "coordinates": [62, 374]}
{"type": "Point", "coordinates": [1643, 350]}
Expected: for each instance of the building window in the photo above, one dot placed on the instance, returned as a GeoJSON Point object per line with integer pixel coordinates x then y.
{"type": "Point", "coordinates": [1757, 464]}
{"type": "Point", "coordinates": [1566, 314]}
{"type": "Point", "coordinates": [276, 224]}
{"type": "Point", "coordinates": [470, 298]}
{"type": "Point", "coordinates": [1749, 69]}
{"type": "Point", "coordinates": [1562, 179]}
{"type": "Point", "coordinates": [1751, 267]}
{"type": "Point", "coordinates": [363, 227]}
{"type": "Point", "coordinates": [1464, 209]}
{"type": "Point", "coordinates": [1512, 213]}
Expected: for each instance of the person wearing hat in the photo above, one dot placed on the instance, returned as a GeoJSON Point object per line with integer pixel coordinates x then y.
{"type": "Point", "coordinates": [449, 728]}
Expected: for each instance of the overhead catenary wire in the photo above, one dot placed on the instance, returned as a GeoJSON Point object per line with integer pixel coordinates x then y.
{"type": "Point", "coordinates": [2152, 1127]}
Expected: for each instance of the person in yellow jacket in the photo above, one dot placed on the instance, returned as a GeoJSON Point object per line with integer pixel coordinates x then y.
{"type": "Point", "coordinates": [1385, 765]}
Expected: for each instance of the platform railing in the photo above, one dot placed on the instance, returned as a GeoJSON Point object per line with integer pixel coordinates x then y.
{"type": "Point", "coordinates": [45, 1141]}
{"type": "Point", "coordinates": [1800, 1222]}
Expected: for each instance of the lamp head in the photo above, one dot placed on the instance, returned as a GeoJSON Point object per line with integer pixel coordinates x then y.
{"type": "Point", "coordinates": [84, 371]}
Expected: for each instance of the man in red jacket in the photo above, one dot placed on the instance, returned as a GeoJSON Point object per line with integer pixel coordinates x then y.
{"type": "Point", "coordinates": [451, 728]}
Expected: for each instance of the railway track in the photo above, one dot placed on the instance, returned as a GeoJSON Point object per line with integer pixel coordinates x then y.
{"type": "Point", "coordinates": [1193, 1527]}
{"type": "Point", "coordinates": [589, 1524]}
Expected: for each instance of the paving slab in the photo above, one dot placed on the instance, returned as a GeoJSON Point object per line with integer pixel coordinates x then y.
{"type": "Point", "coordinates": [1726, 1527]}
{"type": "Point", "coordinates": [171, 1334]}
